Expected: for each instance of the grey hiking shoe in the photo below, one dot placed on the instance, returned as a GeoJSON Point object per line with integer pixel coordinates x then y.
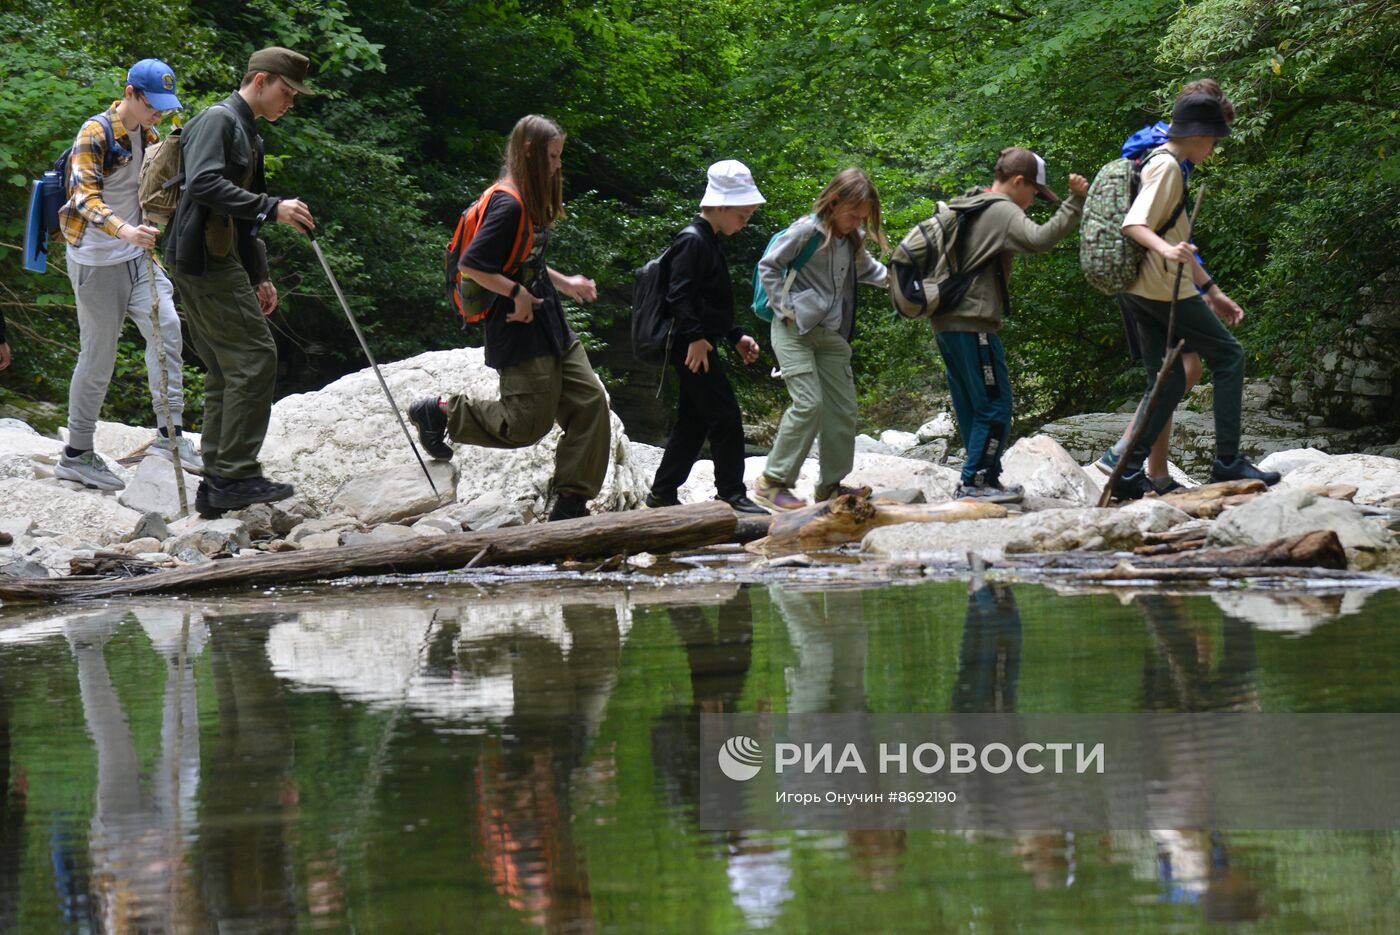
{"type": "Point", "coordinates": [992, 493]}
{"type": "Point", "coordinates": [190, 459]}
{"type": "Point", "coordinates": [89, 470]}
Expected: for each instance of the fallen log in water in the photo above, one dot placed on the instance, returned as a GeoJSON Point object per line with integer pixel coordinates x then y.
{"type": "Point", "coordinates": [849, 517]}
{"type": "Point", "coordinates": [1319, 553]}
{"type": "Point", "coordinates": [600, 536]}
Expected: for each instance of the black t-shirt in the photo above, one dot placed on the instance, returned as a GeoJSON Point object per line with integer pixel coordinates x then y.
{"type": "Point", "coordinates": [509, 342]}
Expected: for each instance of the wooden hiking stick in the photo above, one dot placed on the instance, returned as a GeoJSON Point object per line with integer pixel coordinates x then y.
{"type": "Point", "coordinates": [1145, 416]}
{"type": "Point", "coordinates": [159, 338]}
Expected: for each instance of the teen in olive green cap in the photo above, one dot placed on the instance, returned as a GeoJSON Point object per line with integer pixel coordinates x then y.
{"type": "Point", "coordinates": [220, 266]}
{"type": "Point", "coordinates": [290, 66]}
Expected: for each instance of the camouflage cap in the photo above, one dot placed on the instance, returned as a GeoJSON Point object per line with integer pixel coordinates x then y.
{"type": "Point", "coordinates": [290, 66]}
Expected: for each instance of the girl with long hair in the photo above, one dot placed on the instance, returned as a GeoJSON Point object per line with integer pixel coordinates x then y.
{"type": "Point", "coordinates": [544, 371]}
{"type": "Point", "coordinates": [813, 322]}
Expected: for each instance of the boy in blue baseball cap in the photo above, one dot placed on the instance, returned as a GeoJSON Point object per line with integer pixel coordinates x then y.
{"type": "Point", "coordinates": [112, 279]}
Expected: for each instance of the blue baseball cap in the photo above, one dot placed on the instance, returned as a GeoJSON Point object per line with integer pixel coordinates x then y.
{"type": "Point", "coordinates": [153, 78]}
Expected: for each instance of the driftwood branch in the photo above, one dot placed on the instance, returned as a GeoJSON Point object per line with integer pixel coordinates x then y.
{"type": "Point", "coordinates": [590, 537]}
{"type": "Point", "coordinates": [1318, 553]}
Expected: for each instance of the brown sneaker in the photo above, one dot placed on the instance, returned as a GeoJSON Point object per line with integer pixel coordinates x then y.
{"type": "Point", "coordinates": [822, 494]}
{"type": "Point", "coordinates": [775, 496]}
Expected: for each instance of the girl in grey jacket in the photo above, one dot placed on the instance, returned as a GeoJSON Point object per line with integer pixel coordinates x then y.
{"type": "Point", "coordinates": [814, 310]}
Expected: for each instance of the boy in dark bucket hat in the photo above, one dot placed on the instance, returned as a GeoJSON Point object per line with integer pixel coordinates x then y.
{"type": "Point", "coordinates": [220, 265]}
{"type": "Point", "coordinates": [1198, 120]}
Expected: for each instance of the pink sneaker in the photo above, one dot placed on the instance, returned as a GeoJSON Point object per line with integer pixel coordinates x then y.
{"type": "Point", "coordinates": [775, 496]}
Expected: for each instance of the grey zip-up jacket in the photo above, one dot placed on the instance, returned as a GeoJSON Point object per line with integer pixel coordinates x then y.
{"type": "Point", "coordinates": [824, 290]}
{"type": "Point", "coordinates": [1001, 227]}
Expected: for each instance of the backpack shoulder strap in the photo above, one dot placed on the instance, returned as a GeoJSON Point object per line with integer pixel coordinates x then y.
{"type": "Point", "coordinates": [524, 232]}
{"type": "Point", "coordinates": [1181, 206]}
{"type": "Point", "coordinates": [808, 249]}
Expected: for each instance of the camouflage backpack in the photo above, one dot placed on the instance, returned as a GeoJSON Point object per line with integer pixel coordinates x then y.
{"type": "Point", "coordinates": [1109, 258]}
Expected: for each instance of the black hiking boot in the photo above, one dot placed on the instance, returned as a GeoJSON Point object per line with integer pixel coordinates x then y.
{"type": "Point", "coordinates": [653, 502]}
{"type": "Point", "coordinates": [1132, 486]}
{"type": "Point", "coordinates": [431, 423]}
{"type": "Point", "coordinates": [569, 506]}
{"type": "Point", "coordinates": [742, 504]}
{"type": "Point", "coordinates": [201, 502]}
{"type": "Point", "coordinates": [1240, 469]}
{"type": "Point", "coordinates": [228, 494]}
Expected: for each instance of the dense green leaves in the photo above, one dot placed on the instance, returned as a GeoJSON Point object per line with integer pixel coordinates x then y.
{"type": "Point", "coordinates": [418, 96]}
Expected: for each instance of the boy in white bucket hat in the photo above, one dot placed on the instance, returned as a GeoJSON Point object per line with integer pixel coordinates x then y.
{"type": "Point", "coordinates": [700, 298]}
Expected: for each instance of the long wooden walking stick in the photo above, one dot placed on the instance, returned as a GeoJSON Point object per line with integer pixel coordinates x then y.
{"type": "Point", "coordinates": [1145, 414]}
{"type": "Point", "coordinates": [159, 338]}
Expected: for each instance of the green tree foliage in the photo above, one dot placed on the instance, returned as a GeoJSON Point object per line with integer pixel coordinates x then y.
{"type": "Point", "coordinates": [419, 94]}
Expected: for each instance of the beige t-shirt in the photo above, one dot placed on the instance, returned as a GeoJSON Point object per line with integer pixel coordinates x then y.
{"type": "Point", "coordinates": [1162, 190]}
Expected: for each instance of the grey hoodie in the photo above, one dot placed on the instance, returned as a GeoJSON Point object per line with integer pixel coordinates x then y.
{"type": "Point", "coordinates": [1001, 227]}
{"type": "Point", "coordinates": [824, 290]}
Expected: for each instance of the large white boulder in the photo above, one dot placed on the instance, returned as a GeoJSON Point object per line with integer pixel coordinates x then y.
{"type": "Point", "coordinates": [897, 440]}
{"type": "Point", "coordinates": [940, 426]}
{"type": "Point", "coordinates": [1045, 469]}
{"type": "Point", "coordinates": [87, 514]}
{"type": "Point", "coordinates": [19, 440]}
{"type": "Point", "coordinates": [397, 492]}
{"type": "Point", "coordinates": [151, 488]}
{"type": "Point", "coordinates": [1282, 514]}
{"type": "Point", "coordinates": [317, 441]}
{"type": "Point", "coordinates": [1290, 460]}
{"type": "Point", "coordinates": [1374, 477]}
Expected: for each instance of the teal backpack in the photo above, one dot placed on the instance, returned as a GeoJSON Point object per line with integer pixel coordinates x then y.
{"type": "Point", "coordinates": [760, 295]}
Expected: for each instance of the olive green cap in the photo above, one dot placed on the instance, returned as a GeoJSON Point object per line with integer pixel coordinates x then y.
{"type": "Point", "coordinates": [290, 66]}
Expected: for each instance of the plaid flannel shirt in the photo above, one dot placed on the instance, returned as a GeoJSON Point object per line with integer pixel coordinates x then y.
{"type": "Point", "coordinates": [86, 205]}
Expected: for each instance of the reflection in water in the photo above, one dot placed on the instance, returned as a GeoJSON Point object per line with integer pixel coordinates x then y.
{"type": "Point", "coordinates": [1182, 674]}
{"type": "Point", "coordinates": [375, 760]}
{"type": "Point", "coordinates": [137, 845]}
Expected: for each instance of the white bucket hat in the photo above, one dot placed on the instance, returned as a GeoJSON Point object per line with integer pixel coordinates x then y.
{"type": "Point", "coordinates": [730, 183]}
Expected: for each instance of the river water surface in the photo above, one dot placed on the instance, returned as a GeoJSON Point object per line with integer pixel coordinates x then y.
{"type": "Point", "coordinates": [435, 757]}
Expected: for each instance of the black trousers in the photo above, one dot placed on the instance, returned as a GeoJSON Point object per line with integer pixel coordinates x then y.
{"type": "Point", "coordinates": [707, 409]}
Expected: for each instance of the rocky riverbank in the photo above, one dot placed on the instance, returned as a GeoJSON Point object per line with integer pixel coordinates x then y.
{"type": "Point", "coordinates": [357, 483]}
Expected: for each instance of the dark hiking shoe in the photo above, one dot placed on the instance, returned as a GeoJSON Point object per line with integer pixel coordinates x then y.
{"type": "Point", "coordinates": [1107, 462]}
{"type": "Point", "coordinates": [654, 502]}
{"type": "Point", "coordinates": [1131, 486]}
{"type": "Point", "coordinates": [569, 506]}
{"type": "Point", "coordinates": [1240, 469]}
{"type": "Point", "coordinates": [431, 422]}
{"type": "Point", "coordinates": [992, 493]}
{"type": "Point", "coordinates": [228, 494]}
{"type": "Point", "coordinates": [1164, 486]}
{"type": "Point", "coordinates": [201, 502]}
{"type": "Point", "coordinates": [743, 504]}
{"type": "Point", "coordinates": [822, 494]}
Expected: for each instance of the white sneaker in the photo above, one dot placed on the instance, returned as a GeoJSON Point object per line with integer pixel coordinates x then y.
{"type": "Point", "coordinates": [89, 470]}
{"type": "Point", "coordinates": [190, 459]}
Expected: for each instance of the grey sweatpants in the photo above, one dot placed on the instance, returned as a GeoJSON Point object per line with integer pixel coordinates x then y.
{"type": "Point", "coordinates": [107, 296]}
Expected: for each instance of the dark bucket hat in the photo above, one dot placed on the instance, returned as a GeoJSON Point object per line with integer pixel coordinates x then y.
{"type": "Point", "coordinates": [290, 66]}
{"type": "Point", "coordinates": [1198, 115]}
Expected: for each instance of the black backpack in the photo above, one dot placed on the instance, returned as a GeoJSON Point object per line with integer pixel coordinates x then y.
{"type": "Point", "coordinates": [652, 323]}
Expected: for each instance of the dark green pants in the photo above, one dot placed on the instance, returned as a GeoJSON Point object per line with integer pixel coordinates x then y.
{"type": "Point", "coordinates": [1207, 336]}
{"type": "Point", "coordinates": [535, 394]}
{"type": "Point", "coordinates": [232, 337]}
